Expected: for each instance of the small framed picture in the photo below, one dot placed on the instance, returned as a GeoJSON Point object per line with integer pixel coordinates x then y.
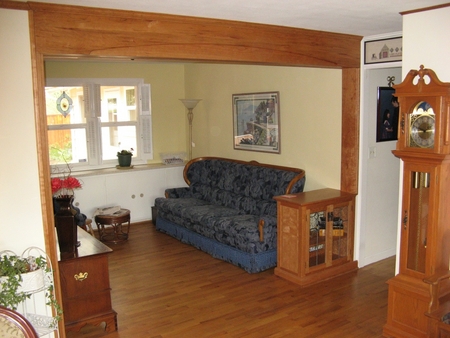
{"type": "Point", "coordinates": [256, 122]}
{"type": "Point", "coordinates": [387, 114]}
{"type": "Point", "coordinates": [380, 51]}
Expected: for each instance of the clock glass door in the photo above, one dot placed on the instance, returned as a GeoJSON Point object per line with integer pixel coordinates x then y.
{"type": "Point", "coordinates": [418, 220]}
{"type": "Point", "coordinates": [422, 126]}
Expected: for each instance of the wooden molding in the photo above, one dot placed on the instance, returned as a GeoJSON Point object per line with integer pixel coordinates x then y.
{"type": "Point", "coordinates": [93, 32]}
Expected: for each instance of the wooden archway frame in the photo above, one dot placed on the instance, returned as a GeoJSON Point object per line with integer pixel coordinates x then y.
{"type": "Point", "coordinates": [72, 31]}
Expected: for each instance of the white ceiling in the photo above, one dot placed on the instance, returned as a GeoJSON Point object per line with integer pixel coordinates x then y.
{"type": "Point", "coordinates": [358, 17]}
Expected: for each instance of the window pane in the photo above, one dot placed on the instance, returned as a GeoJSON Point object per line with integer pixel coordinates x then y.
{"type": "Point", "coordinates": [64, 105]}
{"type": "Point", "coordinates": [117, 138]}
{"type": "Point", "coordinates": [67, 145]}
{"type": "Point", "coordinates": [118, 103]}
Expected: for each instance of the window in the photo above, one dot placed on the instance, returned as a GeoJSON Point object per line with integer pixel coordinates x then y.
{"type": "Point", "coordinates": [90, 120]}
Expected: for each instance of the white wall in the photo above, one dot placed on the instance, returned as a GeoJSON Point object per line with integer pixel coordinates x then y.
{"type": "Point", "coordinates": [379, 179]}
{"type": "Point", "coordinates": [20, 203]}
{"type": "Point", "coordinates": [426, 41]}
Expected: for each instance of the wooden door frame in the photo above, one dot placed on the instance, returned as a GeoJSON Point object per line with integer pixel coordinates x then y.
{"type": "Point", "coordinates": [60, 31]}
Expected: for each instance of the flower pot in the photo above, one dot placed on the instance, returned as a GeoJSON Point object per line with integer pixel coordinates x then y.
{"type": "Point", "coordinates": [31, 281]}
{"type": "Point", "coordinates": [66, 227]}
{"type": "Point", "coordinates": [125, 160]}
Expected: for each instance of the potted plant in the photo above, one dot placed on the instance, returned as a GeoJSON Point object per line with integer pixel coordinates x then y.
{"type": "Point", "coordinates": [20, 277]}
{"type": "Point", "coordinates": [124, 157]}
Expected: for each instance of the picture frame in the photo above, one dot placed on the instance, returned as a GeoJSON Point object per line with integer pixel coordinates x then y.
{"type": "Point", "coordinates": [387, 115]}
{"type": "Point", "coordinates": [381, 51]}
{"type": "Point", "coordinates": [256, 122]}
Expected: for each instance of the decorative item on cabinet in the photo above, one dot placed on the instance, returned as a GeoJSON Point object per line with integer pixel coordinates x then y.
{"type": "Point", "coordinates": [66, 216]}
{"type": "Point", "coordinates": [66, 228]}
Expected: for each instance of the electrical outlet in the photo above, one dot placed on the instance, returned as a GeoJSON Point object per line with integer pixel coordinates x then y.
{"type": "Point", "coordinates": [372, 152]}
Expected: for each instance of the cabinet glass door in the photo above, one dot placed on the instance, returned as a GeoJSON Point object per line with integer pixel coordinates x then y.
{"type": "Point", "coordinates": [339, 224]}
{"type": "Point", "coordinates": [328, 230]}
{"type": "Point", "coordinates": [317, 226]}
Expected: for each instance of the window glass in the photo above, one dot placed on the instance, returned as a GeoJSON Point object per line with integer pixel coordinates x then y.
{"type": "Point", "coordinates": [67, 125]}
{"type": "Point", "coordinates": [92, 120]}
{"type": "Point", "coordinates": [115, 139]}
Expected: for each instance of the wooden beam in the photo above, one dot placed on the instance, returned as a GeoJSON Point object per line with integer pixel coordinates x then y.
{"type": "Point", "coordinates": [81, 31]}
{"type": "Point", "coordinates": [350, 130]}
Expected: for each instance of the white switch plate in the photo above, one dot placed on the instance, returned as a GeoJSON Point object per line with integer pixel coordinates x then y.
{"type": "Point", "coordinates": [372, 152]}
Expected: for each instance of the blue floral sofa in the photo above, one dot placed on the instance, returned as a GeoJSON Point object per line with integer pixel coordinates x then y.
{"type": "Point", "coordinates": [228, 209]}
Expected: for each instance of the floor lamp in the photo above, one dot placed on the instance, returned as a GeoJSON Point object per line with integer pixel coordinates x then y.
{"type": "Point", "coordinates": [190, 105]}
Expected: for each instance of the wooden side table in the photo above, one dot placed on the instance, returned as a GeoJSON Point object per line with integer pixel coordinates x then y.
{"type": "Point", "coordinates": [119, 226]}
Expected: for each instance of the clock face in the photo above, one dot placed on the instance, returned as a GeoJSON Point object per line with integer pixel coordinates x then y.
{"type": "Point", "coordinates": [422, 127]}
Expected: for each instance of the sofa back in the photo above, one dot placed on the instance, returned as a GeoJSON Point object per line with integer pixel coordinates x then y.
{"type": "Point", "coordinates": [245, 186]}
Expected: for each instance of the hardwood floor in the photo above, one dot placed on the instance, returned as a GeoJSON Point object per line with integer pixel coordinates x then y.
{"type": "Point", "coordinates": [164, 288]}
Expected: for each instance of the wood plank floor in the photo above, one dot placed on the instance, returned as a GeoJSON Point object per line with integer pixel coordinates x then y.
{"type": "Point", "coordinates": [164, 288]}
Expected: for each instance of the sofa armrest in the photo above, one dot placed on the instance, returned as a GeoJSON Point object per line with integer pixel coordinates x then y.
{"type": "Point", "coordinates": [177, 192]}
{"type": "Point", "coordinates": [265, 221]}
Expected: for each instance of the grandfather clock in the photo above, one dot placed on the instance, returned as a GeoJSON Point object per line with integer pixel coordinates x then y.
{"type": "Point", "coordinates": [424, 148]}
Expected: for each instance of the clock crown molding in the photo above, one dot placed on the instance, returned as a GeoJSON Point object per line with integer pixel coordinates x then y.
{"type": "Point", "coordinates": [427, 83]}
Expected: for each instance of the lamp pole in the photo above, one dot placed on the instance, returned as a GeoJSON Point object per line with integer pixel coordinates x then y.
{"type": "Point", "coordinates": [190, 105]}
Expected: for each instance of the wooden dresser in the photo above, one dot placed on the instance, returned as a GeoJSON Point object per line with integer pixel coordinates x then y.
{"type": "Point", "coordinates": [85, 286]}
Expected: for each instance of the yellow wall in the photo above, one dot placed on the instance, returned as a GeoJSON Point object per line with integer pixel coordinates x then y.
{"type": "Point", "coordinates": [310, 115]}
{"type": "Point", "coordinates": [310, 110]}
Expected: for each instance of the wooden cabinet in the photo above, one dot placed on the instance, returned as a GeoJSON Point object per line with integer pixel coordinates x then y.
{"type": "Point", "coordinates": [85, 286]}
{"type": "Point", "coordinates": [315, 235]}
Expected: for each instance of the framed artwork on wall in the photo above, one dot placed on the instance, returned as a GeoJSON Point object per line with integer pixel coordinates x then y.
{"type": "Point", "coordinates": [387, 114]}
{"type": "Point", "coordinates": [256, 122]}
{"type": "Point", "coordinates": [380, 51]}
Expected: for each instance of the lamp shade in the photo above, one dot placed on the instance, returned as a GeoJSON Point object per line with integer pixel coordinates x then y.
{"type": "Point", "coordinates": [190, 103]}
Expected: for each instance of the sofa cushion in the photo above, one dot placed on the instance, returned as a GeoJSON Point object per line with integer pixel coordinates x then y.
{"type": "Point", "coordinates": [240, 186]}
{"type": "Point", "coordinates": [242, 232]}
{"type": "Point", "coordinates": [223, 224]}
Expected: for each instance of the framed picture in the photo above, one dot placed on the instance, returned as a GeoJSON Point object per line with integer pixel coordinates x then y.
{"type": "Point", "coordinates": [380, 51]}
{"type": "Point", "coordinates": [256, 122]}
{"type": "Point", "coordinates": [387, 114]}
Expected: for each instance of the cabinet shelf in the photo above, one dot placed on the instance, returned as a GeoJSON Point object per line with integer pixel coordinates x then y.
{"type": "Point", "coordinates": [315, 235]}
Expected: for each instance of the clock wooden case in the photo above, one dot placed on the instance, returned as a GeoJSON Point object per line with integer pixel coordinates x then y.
{"type": "Point", "coordinates": [424, 148]}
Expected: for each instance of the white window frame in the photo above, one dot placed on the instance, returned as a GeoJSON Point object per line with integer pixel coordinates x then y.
{"type": "Point", "coordinates": [93, 124]}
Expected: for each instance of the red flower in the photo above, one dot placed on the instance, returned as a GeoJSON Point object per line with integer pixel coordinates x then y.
{"type": "Point", "coordinates": [57, 184]}
{"type": "Point", "coordinates": [66, 185]}
{"type": "Point", "coordinates": [71, 183]}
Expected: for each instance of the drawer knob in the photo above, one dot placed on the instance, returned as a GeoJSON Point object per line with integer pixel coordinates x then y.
{"type": "Point", "coordinates": [81, 276]}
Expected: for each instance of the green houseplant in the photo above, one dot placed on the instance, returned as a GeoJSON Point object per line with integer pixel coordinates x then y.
{"type": "Point", "coordinates": [20, 277]}
{"type": "Point", "coordinates": [124, 157]}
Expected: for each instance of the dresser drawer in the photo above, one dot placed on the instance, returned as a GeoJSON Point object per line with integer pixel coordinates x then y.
{"type": "Point", "coordinates": [87, 306]}
{"type": "Point", "coordinates": [84, 276]}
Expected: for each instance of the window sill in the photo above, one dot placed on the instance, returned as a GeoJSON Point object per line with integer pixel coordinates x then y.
{"type": "Point", "coordinates": [114, 170]}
